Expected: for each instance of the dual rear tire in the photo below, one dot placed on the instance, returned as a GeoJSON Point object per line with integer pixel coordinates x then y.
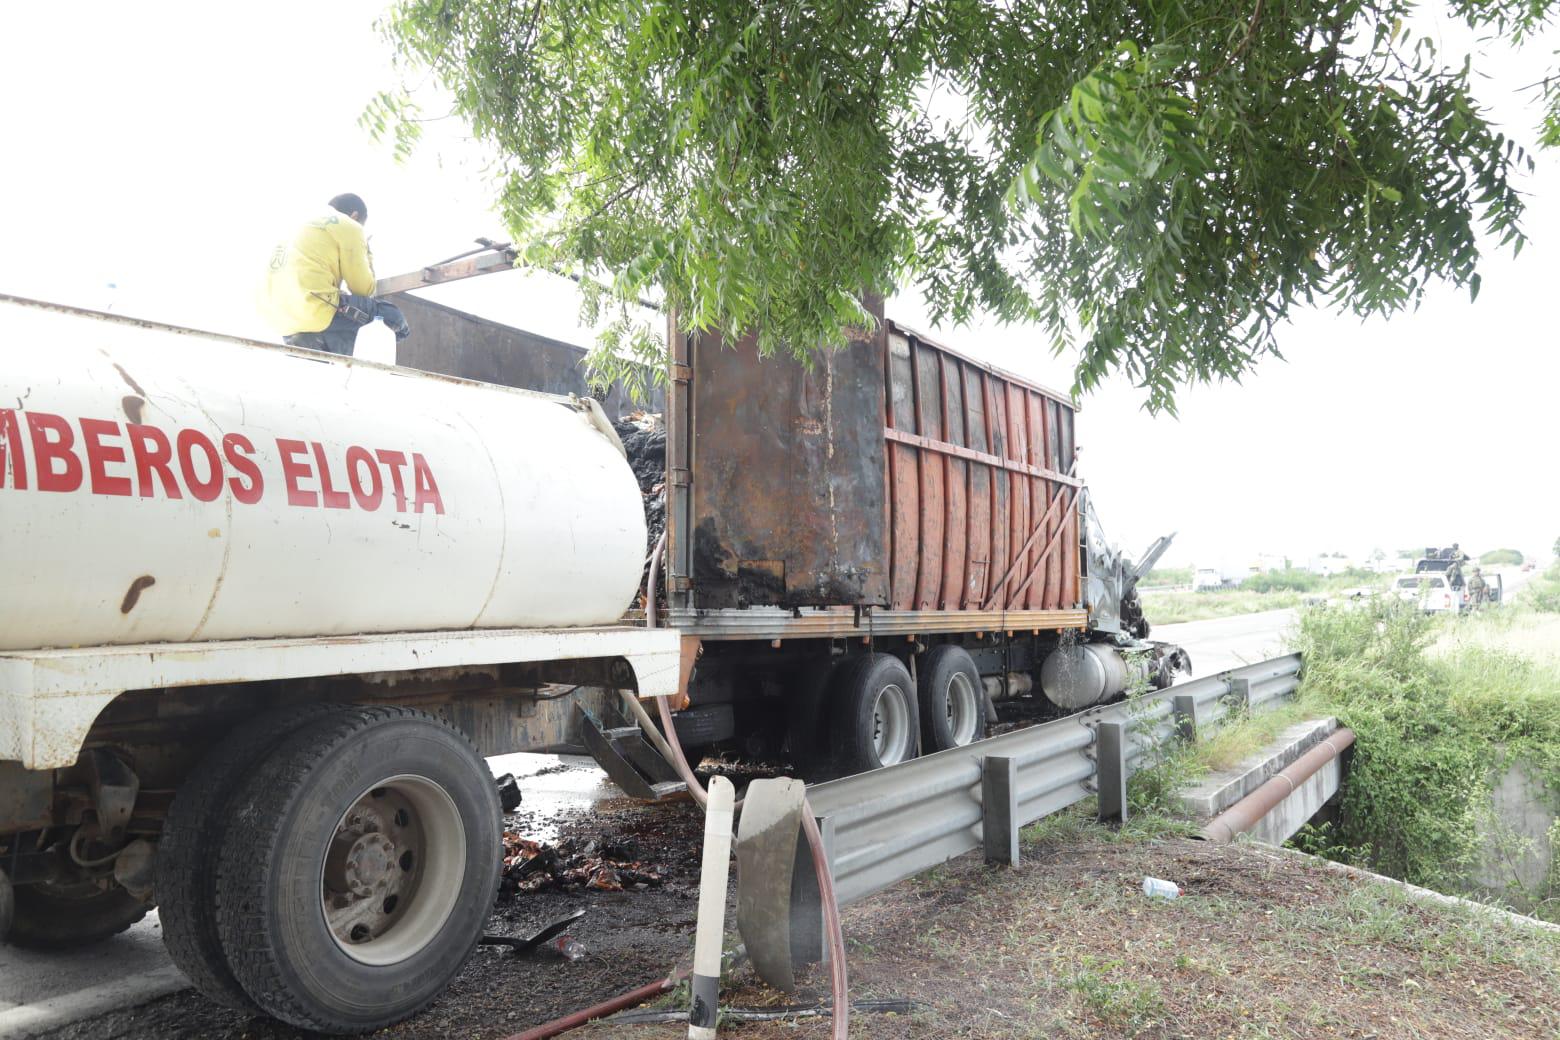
{"type": "Point", "coordinates": [866, 712]}
{"type": "Point", "coordinates": [332, 866]}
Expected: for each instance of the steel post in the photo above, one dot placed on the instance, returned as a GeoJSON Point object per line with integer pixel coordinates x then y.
{"type": "Point", "coordinates": [999, 809]}
{"type": "Point", "coordinates": [1111, 748]}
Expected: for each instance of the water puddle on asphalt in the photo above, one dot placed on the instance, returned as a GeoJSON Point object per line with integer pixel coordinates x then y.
{"type": "Point", "coordinates": [554, 789]}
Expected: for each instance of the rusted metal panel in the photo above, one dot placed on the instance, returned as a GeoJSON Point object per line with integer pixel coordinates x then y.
{"type": "Point", "coordinates": [954, 507]}
{"type": "Point", "coordinates": [452, 342]}
{"type": "Point", "coordinates": [787, 476]}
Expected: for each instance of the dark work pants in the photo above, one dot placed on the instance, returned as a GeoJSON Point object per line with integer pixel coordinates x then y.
{"type": "Point", "coordinates": [340, 336]}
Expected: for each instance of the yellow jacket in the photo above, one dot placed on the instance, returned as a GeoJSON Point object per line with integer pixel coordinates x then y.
{"type": "Point", "coordinates": [302, 287]}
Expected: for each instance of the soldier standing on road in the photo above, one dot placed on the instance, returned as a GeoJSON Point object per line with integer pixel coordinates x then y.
{"type": "Point", "coordinates": [304, 298]}
{"type": "Point", "coordinates": [1478, 590]}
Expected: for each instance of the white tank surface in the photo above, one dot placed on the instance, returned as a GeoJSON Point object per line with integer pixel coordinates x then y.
{"type": "Point", "coordinates": [1082, 675]}
{"type": "Point", "coordinates": [162, 485]}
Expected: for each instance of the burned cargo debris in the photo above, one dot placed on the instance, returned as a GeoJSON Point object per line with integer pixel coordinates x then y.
{"type": "Point", "coordinates": [605, 865]}
{"type": "Point", "coordinates": [644, 441]}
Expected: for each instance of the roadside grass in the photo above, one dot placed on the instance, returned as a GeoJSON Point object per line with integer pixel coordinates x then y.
{"type": "Point", "coordinates": [1262, 944]}
{"type": "Point", "coordinates": [1170, 608]}
{"type": "Point", "coordinates": [1273, 590]}
{"type": "Point", "coordinates": [1443, 708]}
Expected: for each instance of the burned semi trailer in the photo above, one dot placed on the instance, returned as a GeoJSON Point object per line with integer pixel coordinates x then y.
{"type": "Point", "coordinates": [865, 557]}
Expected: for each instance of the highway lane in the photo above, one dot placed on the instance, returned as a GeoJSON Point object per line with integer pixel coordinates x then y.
{"type": "Point", "coordinates": [1217, 644]}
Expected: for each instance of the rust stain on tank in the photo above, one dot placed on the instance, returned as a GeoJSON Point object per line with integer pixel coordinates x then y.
{"type": "Point", "coordinates": [132, 406]}
{"type": "Point", "coordinates": [133, 595]}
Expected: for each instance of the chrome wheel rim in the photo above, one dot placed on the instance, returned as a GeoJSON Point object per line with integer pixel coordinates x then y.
{"type": "Point", "coordinates": [393, 870]}
{"type": "Point", "coordinates": [891, 725]}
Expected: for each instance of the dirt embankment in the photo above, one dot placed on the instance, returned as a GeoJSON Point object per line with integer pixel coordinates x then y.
{"type": "Point", "coordinates": [1261, 945]}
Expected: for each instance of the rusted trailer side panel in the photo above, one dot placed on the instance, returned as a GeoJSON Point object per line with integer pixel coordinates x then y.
{"type": "Point", "coordinates": [785, 467]}
{"type": "Point", "coordinates": [981, 505]}
{"type": "Point", "coordinates": [896, 473]}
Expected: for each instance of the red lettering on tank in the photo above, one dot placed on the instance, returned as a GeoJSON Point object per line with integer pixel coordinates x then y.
{"type": "Point", "coordinates": [12, 460]}
{"type": "Point", "coordinates": [47, 451]}
{"type": "Point", "coordinates": [329, 496]}
{"type": "Point", "coordinates": [395, 460]}
{"type": "Point", "coordinates": [209, 489]}
{"type": "Point", "coordinates": [427, 490]}
{"type": "Point", "coordinates": [237, 448]}
{"type": "Point", "coordinates": [359, 460]}
{"type": "Point", "coordinates": [292, 470]}
{"type": "Point", "coordinates": [153, 454]}
{"type": "Point", "coordinates": [100, 455]}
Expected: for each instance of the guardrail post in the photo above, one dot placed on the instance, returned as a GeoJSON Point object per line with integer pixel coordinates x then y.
{"type": "Point", "coordinates": [1111, 771]}
{"type": "Point", "coordinates": [1185, 707]}
{"type": "Point", "coordinates": [1240, 694]}
{"type": "Point", "coordinates": [999, 809]}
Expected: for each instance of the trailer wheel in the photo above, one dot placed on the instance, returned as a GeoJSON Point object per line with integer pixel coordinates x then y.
{"type": "Point", "coordinates": [360, 869]}
{"type": "Point", "coordinates": [191, 843]}
{"type": "Point", "coordinates": [875, 717]}
{"type": "Point", "coordinates": [953, 707]}
{"type": "Point", "coordinates": [62, 916]}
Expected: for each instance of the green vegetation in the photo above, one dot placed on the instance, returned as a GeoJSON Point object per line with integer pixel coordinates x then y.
{"type": "Point", "coordinates": [1501, 557]}
{"type": "Point", "coordinates": [1435, 732]}
{"type": "Point", "coordinates": [1155, 186]}
{"type": "Point", "coordinates": [1270, 590]}
{"type": "Point", "coordinates": [1167, 576]}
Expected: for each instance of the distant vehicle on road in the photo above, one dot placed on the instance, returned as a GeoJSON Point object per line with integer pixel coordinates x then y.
{"type": "Point", "coordinates": [1207, 579]}
{"type": "Point", "coordinates": [1431, 590]}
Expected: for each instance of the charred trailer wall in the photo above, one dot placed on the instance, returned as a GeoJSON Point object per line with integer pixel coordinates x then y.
{"type": "Point", "coordinates": [893, 473]}
{"type": "Point", "coordinates": [784, 475]}
{"type": "Point", "coordinates": [455, 343]}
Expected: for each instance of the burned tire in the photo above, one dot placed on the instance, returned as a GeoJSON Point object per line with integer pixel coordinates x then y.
{"type": "Point", "coordinates": [875, 720]}
{"type": "Point", "coordinates": [359, 870]}
{"type": "Point", "coordinates": [953, 706]}
{"type": "Point", "coordinates": [191, 843]}
{"type": "Point", "coordinates": [65, 916]}
{"type": "Point", "coordinates": [808, 724]}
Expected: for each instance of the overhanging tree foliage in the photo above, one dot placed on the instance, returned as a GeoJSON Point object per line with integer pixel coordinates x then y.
{"type": "Point", "coordinates": [1155, 183]}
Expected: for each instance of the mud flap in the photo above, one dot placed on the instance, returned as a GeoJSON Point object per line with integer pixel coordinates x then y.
{"type": "Point", "coordinates": [628, 758]}
{"type": "Point", "coordinates": [771, 859]}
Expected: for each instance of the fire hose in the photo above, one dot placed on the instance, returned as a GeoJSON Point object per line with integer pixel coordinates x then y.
{"type": "Point", "coordinates": [665, 741]}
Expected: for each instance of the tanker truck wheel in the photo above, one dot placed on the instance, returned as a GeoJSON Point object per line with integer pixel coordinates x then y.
{"type": "Point", "coordinates": [359, 869]}
{"type": "Point", "coordinates": [191, 842]}
{"type": "Point", "coordinates": [65, 915]}
{"type": "Point", "coordinates": [953, 705]}
{"type": "Point", "coordinates": [875, 719]}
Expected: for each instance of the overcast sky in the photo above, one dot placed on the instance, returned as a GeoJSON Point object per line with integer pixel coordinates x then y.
{"type": "Point", "coordinates": [163, 148]}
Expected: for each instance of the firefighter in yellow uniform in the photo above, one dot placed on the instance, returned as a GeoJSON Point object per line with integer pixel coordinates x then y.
{"type": "Point", "coordinates": [304, 297]}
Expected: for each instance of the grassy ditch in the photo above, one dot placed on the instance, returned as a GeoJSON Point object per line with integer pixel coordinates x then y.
{"type": "Point", "coordinates": [1269, 590]}
{"type": "Point", "coordinates": [1443, 708]}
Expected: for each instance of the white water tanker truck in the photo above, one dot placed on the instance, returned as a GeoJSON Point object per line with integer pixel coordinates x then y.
{"type": "Point", "coordinates": [263, 612]}
{"type": "Point", "coordinates": [266, 609]}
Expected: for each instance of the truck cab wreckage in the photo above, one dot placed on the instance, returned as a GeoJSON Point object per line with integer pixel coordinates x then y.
{"type": "Point", "coordinates": [271, 608]}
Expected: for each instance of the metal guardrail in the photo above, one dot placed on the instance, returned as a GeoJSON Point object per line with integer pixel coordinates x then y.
{"type": "Point", "coordinates": [884, 826]}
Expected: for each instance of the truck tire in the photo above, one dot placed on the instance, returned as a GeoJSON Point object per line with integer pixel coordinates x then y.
{"type": "Point", "coordinates": [953, 705]}
{"type": "Point", "coordinates": [808, 724]}
{"type": "Point", "coordinates": [874, 717]}
{"type": "Point", "coordinates": [359, 870]}
{"type": "Point", "coordinates": [192, 834]}
{"type": "Point", "coordinates": [53, 916]}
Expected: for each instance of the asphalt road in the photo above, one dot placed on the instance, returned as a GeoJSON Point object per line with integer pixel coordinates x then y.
{"type": "Point", "coordinates": [1229, 642]}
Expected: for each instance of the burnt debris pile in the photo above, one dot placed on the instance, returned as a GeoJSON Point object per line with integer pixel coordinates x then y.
{"type": "Point", "coordinates": [644, 439]}
{"type": "Point", "coordinates": [605, 865]}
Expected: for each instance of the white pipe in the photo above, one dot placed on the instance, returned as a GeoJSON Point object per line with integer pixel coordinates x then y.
{"type": "Point", "coordinates": [705, 1000]}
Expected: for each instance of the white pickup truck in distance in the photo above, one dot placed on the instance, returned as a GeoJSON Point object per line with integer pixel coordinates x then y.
{"type": "Point", "coordinates": [1431, 590]}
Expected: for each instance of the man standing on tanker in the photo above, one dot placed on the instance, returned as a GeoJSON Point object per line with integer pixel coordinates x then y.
{"type": "Point", "coordinates": [304, 298]}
